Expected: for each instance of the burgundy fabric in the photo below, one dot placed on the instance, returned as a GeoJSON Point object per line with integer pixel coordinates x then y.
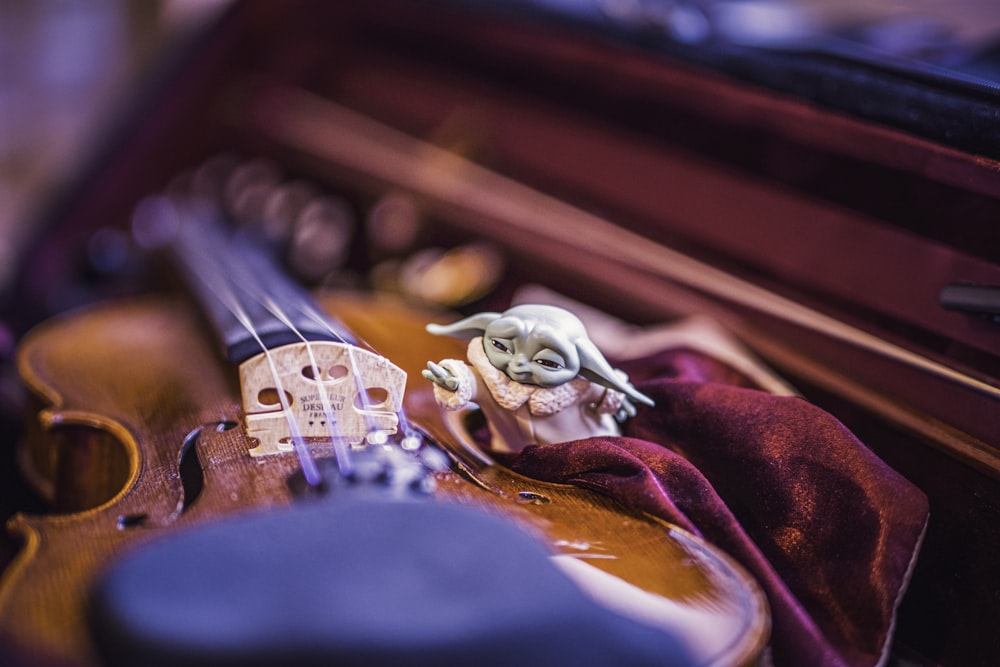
{"type": "Point", "coordinates": [828, 529]}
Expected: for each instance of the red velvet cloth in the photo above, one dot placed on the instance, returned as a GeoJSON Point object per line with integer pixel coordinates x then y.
{"type": "Point", "coordinates": [828, 529]}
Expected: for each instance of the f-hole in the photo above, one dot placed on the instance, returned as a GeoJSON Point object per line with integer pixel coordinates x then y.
{"type": "Point", "coordinates": [189, 464]}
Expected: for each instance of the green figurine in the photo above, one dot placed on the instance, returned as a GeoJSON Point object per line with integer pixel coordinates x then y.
{"type": "Point", "coordinates": [537, 377]}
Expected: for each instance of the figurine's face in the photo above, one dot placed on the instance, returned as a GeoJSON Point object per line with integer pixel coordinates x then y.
{"type": "Point", "coordinates": [531, 352]}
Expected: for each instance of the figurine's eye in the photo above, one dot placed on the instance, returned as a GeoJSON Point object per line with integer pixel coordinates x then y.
{"type": "Point", "coordinates": [550, 360]}
{"type": "Point", "coordinates": [500, 346]}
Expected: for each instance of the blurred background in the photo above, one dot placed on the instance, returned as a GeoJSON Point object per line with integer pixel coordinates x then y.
{"type": "Point", "coordinates": [69, 67]}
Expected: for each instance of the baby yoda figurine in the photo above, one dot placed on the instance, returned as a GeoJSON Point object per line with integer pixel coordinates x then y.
{"type": "Point", "coordinates": [536, 376]}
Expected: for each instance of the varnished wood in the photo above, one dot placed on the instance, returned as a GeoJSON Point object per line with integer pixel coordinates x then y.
{"type": "Point", "coordinates": [140, 376]}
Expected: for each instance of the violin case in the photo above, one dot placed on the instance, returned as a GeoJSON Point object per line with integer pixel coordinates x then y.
{"type": "Point", "coordinates": [837, 215]}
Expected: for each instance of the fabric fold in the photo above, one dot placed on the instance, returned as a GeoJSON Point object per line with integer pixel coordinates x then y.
{"type": "Point", "coordinates": [828, 529]}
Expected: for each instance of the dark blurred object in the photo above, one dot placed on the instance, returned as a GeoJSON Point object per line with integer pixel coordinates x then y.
{"type": "Point", "coordinates": [383, 583]}
{"type": "Point", "coordinates": [981, 300]}
{"type": "Point", "coordinates": [926, 67]}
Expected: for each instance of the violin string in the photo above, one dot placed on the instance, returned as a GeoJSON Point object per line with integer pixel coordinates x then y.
{"type": "Point", "coordinates": [405, 427]}
{"type": "Point", "coordinates": [208, 269]}
{"type": "Point", "coordinates": [249, 275]}
{"type": "Point", "coordinates": [207, 255]}
{"type": "Point", "coordinates": [307, 309]}
{"type": "Point", "coordinates": [310, 470]}
{"type": "Point", "coordinates": [341, 450]}
{"type": "Point", "coordinates": [359, 387]}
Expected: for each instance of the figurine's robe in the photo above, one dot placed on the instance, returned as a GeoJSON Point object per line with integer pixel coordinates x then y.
{"type": "Point", "coordinates": [521, 414]}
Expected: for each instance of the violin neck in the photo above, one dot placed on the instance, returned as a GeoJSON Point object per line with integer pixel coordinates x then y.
{"type": "Point", "coordinates": [251, 303]}
{"type": "Point", "coordinates": [303, 378]}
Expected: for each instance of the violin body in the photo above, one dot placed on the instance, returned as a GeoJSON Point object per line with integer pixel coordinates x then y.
{"type": "Point", "coordinates": [126, 386]}
{"type": "Point", "coordinates": [140, 434]}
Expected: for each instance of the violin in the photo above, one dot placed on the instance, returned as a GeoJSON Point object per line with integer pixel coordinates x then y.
{"type": "Point", "coordinates": [153, 439]}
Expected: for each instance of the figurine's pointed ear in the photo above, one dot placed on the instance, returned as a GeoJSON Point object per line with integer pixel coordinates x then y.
{"type": "Point", "coordinates": [596, 368]}
{"type": "Point", "coordinates": [470, 327]}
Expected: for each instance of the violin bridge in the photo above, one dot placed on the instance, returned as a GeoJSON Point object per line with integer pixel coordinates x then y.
{"type": "Point", "coordinates": [318, 391]}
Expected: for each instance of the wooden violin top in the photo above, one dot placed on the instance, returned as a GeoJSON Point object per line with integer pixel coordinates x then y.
{"type": "Point", "coordinates": [140, 434]}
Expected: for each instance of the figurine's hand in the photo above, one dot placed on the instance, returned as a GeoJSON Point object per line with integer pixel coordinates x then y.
{"type": "Point", "coordinates": [440, 376]}
{"type": "Point", "coordinates": [625, 410]}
